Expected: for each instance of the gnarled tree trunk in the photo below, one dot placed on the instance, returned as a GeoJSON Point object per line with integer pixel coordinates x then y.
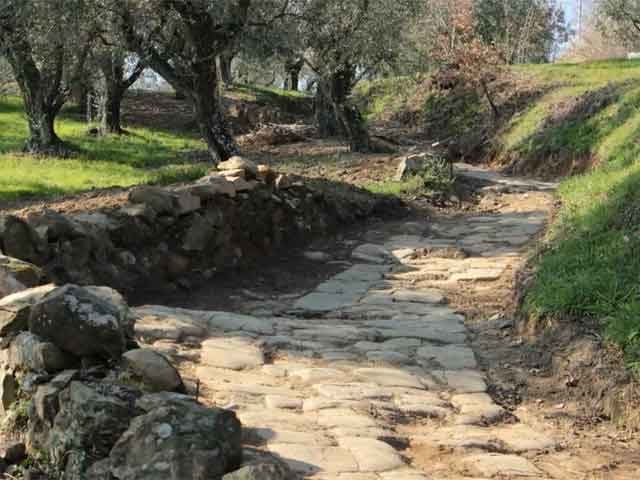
{"type": "Point", "coordinates": [209, 114]}
{"type": "Point", "coordinates": [42, 102]}
{"type": "Point", "coordinates": [226, 74]}
{"type": "Point", "coordinates": [335, 116]}
{"type": "Point", "coordinates": [116, 84]}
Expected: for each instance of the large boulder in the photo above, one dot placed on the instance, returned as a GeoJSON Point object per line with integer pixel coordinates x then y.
{"type": "Point", "coordinates": [17, 275]}
{"type": "Point", "coordinates": [91, 418]}
{"type": "Point", "coordinates": [80, 322]}
{"type": "Point", "coordinates": [411, 165]}
{"type": "Point", "coordinates": [15, 309]}
{"type": "Point", "coordinates": [20, 240]}
{"type": "Point", "coordinates": [188, 441]}
{"type": "Point", "coordinates": [27, 352]}
{"type": "Point", "coordinates": [154, 370]}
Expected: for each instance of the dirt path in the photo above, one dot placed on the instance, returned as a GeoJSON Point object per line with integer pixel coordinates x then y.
{"type": "Point", "coordinates": [376, 374]}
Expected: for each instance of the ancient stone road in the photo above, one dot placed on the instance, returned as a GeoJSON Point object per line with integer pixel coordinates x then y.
{"type": "Point", "coordinates": [367, 363]}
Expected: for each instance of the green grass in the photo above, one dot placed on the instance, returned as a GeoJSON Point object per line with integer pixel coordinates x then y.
{"type": "Point", "coordinates": [565, 118]}
{"type": "Point", "coordinates": [412, 186]}
{"type": "Point", "coordinates": [143, 156]}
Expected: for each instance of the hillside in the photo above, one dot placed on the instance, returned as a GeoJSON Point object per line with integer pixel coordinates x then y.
{"type": "Point", "coordinates": [580, 121]}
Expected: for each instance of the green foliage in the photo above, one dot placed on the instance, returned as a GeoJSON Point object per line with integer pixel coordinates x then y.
{"type": "Point", "coordinates": [387, 97]}
{"type": "Point", "coordinates": [143, 156]}
{"type": "Point", "coordinates": [436, 178]}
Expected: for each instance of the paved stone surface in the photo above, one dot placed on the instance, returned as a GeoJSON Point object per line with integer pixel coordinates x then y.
{"type": "Point", "coordinates": [333, 385]}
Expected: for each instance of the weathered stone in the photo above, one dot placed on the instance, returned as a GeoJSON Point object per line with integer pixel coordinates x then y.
{"type": "Point", "coordinates": [80, 322]}
{"type": "Point", "coordinates": [317, 375]}
{"type": "Point", "coordinates": [372, 455]}
{"type": "Point", "coordinates": [174, 443]}
{"type": "Point", "coordinates": [419, 296]}
{"type": "Point", "coordinates": [266, 174]}
{"type": "Point", "coordinates": [280, 401]}
{"type": "Point", "coordinates": [491, 465]}
{"type": "Point", "coordinates": [91, 418]}
{"type": "Point", "coordinates": [309, 459]}
{"type": "Point", "coordinates": [186, 202]}
{"type": "Point", "coordinates": [477, 409]}
{"type": "Point", "coordinates": [19, 240]}
{"type": "Point", "coordinates": [161, 200]}
{"type": "Point", "coordinates": [211, 186]}
{"type": "Point", "coordinates": [388, 357]}
{"type": "Point", "coordinates": [389, 377]}
{"type": "Point", "coordinates": [201, 234]}
{"type": "Point", "coordinates": [450, 357]}
{"type": "Point", "coordinates": [17, 275]}
{"type": "Point", "coordinates": [13, 451]}
{"type": "Point", "coordinates": [154, 369]}
{"type": "Point", "coordinates": [27, 352]}
{"type": "Point", "coordinates": [262, 470]}
{"type": "Point", "coordinates": [239, 163]}
{"type": "Point", "coordinates": [411, 165]}
{"type": "Point", "coordinates": [465, 381]}
{"type": "Point", "coordinates": [8, 390]}
{"type": "Point", "coordinates": [372, 253]}
{"type": "Point", "coordinates": [232, 353]}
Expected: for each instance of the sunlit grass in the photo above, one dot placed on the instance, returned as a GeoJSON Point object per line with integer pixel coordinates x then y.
{"type": "Point", "coordinates": [142, 156]}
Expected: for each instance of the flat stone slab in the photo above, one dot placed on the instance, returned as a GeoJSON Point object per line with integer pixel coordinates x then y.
{"type": "Point", "coordinates": [450, 357]}
{"type": "Point", "coordinates": [231, 322]}
{"type": "Point", "coordinates": [316, 375]}
{"type": "Point", "coordinates": [351, 391]}
{"type": "Point", "coordinates": [281, 401]}
{"type": "Point", "coordinates": [465, 381]}
{"type": "Point", "coordinates": [345, 418]}
{"type": "Point", "coordinates": [269, 435]}
{"type": "Point", "coordinates": [477, 409]}
{"type": "Point", "coordinates": [372, 253]}
{"type": "Point", "coordinates": [394, 358]}
{"type": "Point", "coordinates": [324, 302]}
{"type": "Point", "coordinates": [492, 465]}
{"type": "Point", "coordinates": [389, 377]}
{"type": "Point", "coordinates": [310, 459]}
{"type": "Point", "coordinates": [372, 455]}
{"type": "Point", "coordinates": [419, 296]}
{"type": "Point", "coordinates": [231, 353]}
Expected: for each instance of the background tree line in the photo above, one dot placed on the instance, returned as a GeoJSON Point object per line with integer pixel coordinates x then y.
{"type": "Point", "coordinates": [58, 50]}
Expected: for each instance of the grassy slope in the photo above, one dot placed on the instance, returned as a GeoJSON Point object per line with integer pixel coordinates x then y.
{"type": "Point", "coordinates": [577, 115]}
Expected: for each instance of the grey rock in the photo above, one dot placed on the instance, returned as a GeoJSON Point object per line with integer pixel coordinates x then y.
{"type": "Point", "coordinates": [159, 199]}
{"type": "Point", "coordinates": [262, 470]}
{"type": "Point", "coordinates": [154, 369]}
{"type": "Point", "coordinates": [13, 451]}
{"type": "Point", "coordinates": [20, 240]}
{"type": "Point", "coordinates": [92, 417]}
{"type": "Point", "coordinates": [28, 352]}
{"type": "Point", "coordinates": [80, 322]}
{"type": "Point", "coordinates": [17, 275]}
{"type": "Point", "coordinates": [178, 443]}
{"type": "Point", "coordinates": [239, 163]}
{"type": "Point", "coordinates": [8, 391]}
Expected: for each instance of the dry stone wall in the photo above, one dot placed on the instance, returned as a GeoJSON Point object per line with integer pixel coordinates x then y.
{"type": "Point", "coordinates": [232, 216]}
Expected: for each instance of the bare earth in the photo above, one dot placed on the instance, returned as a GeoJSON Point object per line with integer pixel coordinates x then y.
{"type": "Point", "coordinates": [402, 365]}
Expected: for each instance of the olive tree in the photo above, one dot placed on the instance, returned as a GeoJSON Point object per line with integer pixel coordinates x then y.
{"type": "Point", "coordinates": [342, 42]}
{"type": "Point", "coordinates": [46, 42]}
{"type": "Point", "coordinates": [182, 41]}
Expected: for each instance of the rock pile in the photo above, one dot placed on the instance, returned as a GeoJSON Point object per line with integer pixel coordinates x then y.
{"type": "Point", "coordinates": [76, 389]}
{"type": "Point", "coordinates": [238, 212]}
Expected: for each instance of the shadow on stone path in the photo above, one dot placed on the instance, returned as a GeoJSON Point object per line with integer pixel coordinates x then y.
{"type": "Point", "coordinates": [372, 361]}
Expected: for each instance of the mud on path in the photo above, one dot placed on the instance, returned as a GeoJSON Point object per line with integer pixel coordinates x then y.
{"type": "Point", "coordinates": [396, 358]}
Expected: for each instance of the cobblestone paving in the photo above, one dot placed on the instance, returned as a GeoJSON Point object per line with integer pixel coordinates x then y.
{"type": "Point", "coordinates": [334, 386]}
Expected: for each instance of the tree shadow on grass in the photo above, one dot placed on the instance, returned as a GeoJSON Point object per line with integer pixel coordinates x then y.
{"type": "Point", "coordinates": [566, 142]}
